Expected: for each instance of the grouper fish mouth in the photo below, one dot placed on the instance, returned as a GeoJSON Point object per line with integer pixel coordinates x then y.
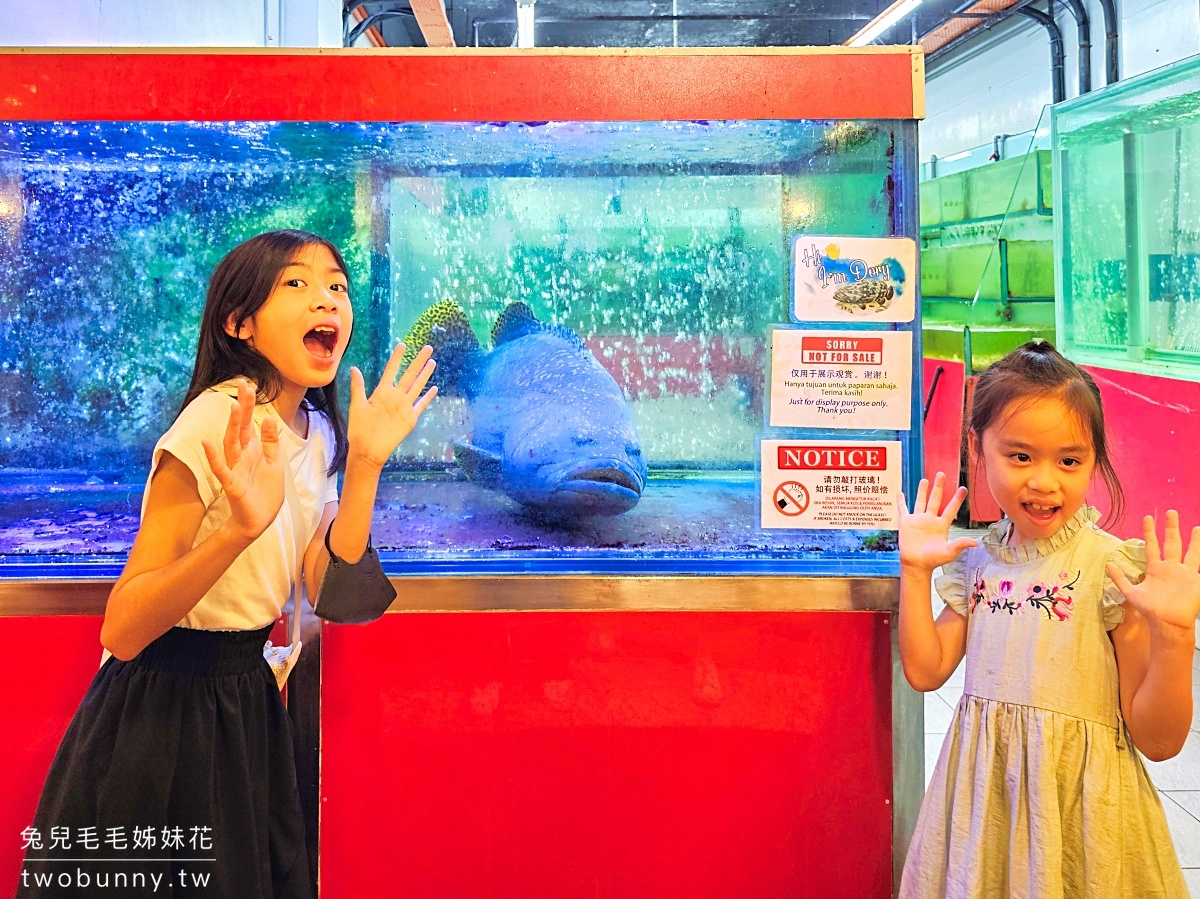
{"type": "Point", "coordinates": [549, 426]}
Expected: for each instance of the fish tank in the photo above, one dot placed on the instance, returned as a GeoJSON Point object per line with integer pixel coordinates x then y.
{"type": "Point", "coordinates": [601, 293]}
{"type": "Point", "coordinates": [1127, 187]}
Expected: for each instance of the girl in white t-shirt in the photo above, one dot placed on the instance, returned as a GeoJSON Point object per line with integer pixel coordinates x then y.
{"type": "Point", "coordinates": [183, 731]}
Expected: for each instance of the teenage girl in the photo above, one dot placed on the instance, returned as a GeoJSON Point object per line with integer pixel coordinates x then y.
{"type": "Point", "coordinates": [182, 732]}
{"type": "Point", "coordinates": [1079, 651]}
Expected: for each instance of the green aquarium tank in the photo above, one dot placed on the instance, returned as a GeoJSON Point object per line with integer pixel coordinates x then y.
{"type": "Point", "coordinates": [661, 249]}
{"type": "Point", "coordinates": [1127, 189]}
{"type": "Point", "coordinates": [987, 257]}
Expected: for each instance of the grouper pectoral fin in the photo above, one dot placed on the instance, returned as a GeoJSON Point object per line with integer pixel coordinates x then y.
{"type": "Point", "coordinates": [481, 466]}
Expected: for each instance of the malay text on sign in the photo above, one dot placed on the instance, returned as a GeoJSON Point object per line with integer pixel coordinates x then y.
{"type": "Point", "coordinates": [830, 485]}
{"type": "Point", "coordinates": [842, 379]}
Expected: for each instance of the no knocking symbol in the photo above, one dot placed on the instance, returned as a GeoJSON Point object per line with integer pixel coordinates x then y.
{"type": "Point", "coordinates": [791, 498]}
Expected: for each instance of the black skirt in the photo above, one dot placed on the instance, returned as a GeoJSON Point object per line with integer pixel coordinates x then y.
{"type": "Point", "coordinates": [175, 778]}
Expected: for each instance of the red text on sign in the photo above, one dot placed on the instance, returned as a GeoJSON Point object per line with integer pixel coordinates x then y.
{"type": "Point", "coordinates": [833, 458]}
{"type": "Point", "coordinates": [842, 350]}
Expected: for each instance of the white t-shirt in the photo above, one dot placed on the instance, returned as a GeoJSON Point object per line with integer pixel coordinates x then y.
{"type": "Point", "coordinates": [252, 592]}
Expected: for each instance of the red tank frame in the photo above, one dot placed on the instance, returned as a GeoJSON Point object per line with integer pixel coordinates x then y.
{"type": "Point", "coordinates": [608, 753]}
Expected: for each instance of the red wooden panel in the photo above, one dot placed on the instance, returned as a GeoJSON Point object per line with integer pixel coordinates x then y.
{"type": "Point", "coordinates": [943, 422]}
{"type": "Point", "coordinates": [47, 664]}
{"type": "Point", "coordinates": [607, 754]}
{"type": "Point", "coordinates": [1154, 429]}
{"type": "Point", "coordinates": [390, 85]}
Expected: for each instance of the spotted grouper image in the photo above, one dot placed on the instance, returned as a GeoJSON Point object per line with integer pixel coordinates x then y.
{"type": "Point", "coordinates": [864, 296]}
{"type": "Point", "coordinates": [549, 426]}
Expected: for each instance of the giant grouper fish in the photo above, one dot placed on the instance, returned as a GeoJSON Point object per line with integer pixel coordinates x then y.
{"type": "Point", "coordinates": [550, 427]}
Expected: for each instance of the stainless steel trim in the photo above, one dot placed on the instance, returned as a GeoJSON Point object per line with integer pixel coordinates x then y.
{"type": "Point", "coordinates": [537, 593]}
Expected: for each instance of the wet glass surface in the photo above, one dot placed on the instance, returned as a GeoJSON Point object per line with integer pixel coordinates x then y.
{"type": "Point", "coordinates": [660, 248]}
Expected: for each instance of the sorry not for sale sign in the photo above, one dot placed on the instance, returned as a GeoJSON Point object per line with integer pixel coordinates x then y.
{"type": "Point", "coordinates": [830, 484]}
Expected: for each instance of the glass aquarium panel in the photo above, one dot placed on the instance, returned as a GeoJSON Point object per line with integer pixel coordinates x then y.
{"type": "Point", "coordinates": [1129, 184]}
{"type": "Point", "coordinates": [660, 248]}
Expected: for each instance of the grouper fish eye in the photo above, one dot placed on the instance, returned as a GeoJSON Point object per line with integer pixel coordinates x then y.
{"type": "Point", "coordinates": [549, 426]}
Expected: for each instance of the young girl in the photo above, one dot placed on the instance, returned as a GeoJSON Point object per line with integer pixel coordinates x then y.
{"type": "Point", "coordinates": [182, 739]}
{"type": "Point", "coordinates": [1079, 648]}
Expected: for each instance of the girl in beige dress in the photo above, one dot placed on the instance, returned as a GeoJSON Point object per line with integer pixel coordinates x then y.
{"type": "Point", "coordinates": [1078, 653]}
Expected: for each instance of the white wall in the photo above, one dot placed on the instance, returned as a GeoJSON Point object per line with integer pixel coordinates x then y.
{"type": "Point", "coordinates": [171, 23]}
{"type": "Point", "coordinates": [999, 82]}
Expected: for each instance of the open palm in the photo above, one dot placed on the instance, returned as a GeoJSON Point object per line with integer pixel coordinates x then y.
{"type": "Point", "coordinates": [379, 422]}
{"type": "Point", "coordinates": [1169, 595]}
{"type": "Point", "coordinates": [249, 467]}
{"type": "Point", "coordinates": [925, 532]}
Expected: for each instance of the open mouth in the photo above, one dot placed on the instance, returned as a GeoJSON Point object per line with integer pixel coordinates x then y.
{"type": "Point", "coordinates": [1040, 512]}
{"type": "Point", "coordinates": [321, 341]}
{"type": "Point", "coordinates": [608, 476]}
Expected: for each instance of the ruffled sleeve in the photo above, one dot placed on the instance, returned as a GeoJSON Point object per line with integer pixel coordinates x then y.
{"type": "Point", "coordinates": [1130, 557]}
{"type": "Point", "coordinates": [951, 586]}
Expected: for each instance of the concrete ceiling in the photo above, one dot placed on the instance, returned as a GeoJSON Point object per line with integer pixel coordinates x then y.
{"type": "Point", "coordinates": [663, 23]}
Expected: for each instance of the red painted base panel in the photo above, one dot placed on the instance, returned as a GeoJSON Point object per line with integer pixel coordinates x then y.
{"type": "Point", "coordinates": [47, 664]}
{"type": "Point", "coordinates": [607, 754]}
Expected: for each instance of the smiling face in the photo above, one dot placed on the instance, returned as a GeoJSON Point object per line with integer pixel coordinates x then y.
{"type": "Point", "coordinates": [1038, 459]}
{"type": "Point", "coordinates": [304, 326]}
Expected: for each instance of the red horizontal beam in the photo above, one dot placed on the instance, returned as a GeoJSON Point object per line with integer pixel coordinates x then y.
{"type": "Point", "coordinates": [463, 85]}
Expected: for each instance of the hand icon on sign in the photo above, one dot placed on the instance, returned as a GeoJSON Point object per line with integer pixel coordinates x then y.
{"type": "Point", "coordinates": [791, 498]}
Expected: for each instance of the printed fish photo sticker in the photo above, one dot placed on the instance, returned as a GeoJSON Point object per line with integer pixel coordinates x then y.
{"type": "Point", "coordinates": [853, 278]}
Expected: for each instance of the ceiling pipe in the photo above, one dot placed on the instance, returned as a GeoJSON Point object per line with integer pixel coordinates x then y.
{"type": "Point", "coordinates": [1110, 41]}
{"type": "Point", "coordinates": [1084, 26]}
{"type": "Point", "coordinates": [477, 22]}
{"type": "Point", "coordinates": [354, 9]}
{"type": "Point", "coordinates": [1058, 82]}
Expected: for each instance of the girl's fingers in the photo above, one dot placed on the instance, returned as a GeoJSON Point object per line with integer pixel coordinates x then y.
{"type": "Point", "coordinates": [422, 379]}
{"type": "Point", "coordinates": [215, 462]}
{"type": "Point", "coordinates": [922, 501]}
{"type": "Point", "coordinates": [1172, 543]}
{"type": "Point", "coordinates": [231, 442]}
{"type": "Point", "coordinates": [358, 386]}
{"type": "Point", "coordinates": [246, 408]}
{"type": "Point", "coordinates": [902, 507]}
{"type": "Point", "coordinates": [954, 505]}
{"type": "Point", "coordinates": [935, 494]}
{"type": "Point", "coordinates": [423, 403]}
{"type": "Point", "coordinates": [962, 543]}
{"type": "Point", "coordinates": [390, 370]}
{"type": "Point", "coordinates": [415, 369]}
{"type": "Point", "coordinates": [270, 439]}
{"type": "Point", "coordinates": [1192, 559]}
{"type": "Point", "coordinates": [1153, 553]}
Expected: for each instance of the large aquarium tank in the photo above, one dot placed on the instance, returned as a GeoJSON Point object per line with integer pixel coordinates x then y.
{"type": "Point", "coordinates": [657, 252]}
{"type": "Point", "coordinates": [1127, 185]}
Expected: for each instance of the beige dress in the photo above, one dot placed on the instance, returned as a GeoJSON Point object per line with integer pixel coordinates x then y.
{"type": "Point", "coordinates": [1038, 792]}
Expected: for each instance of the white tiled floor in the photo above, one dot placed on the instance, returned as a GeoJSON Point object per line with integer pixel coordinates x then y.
{"type": "Point", "coordinates": [1177, 779]}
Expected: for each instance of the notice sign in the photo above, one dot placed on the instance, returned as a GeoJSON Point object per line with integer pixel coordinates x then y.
{"type": "Point", "coordinates": [826, 484]}
{"type": "Point", "coordinates": [841, 379]}
{"type": "Point", "coordinates": [853, 278]}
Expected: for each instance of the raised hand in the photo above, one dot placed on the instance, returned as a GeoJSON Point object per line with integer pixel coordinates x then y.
{"type": "Point", "coordinates": [925, 532]}
{"type": "Point", "coordinates": [249, 468]}
{"type": "Point", "coordinates": [1169, 595]}
{"type": "Point", "coordinates": [379, 423]}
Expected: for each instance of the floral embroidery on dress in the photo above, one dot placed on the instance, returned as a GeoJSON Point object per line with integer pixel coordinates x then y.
{"type": "Point", "coordinates": [1053, 599]}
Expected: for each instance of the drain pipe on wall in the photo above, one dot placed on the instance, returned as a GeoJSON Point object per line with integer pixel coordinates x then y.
{"type": "Point", "coordinates": [1110, 41]}
{"type": "Point", "coordinates": [1057, 80]}
{"type": "Point", "coordinates": [1084, 26]}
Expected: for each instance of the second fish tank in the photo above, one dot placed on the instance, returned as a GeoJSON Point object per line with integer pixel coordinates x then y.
{"type": "Point", "coordinates": [637, 267]}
